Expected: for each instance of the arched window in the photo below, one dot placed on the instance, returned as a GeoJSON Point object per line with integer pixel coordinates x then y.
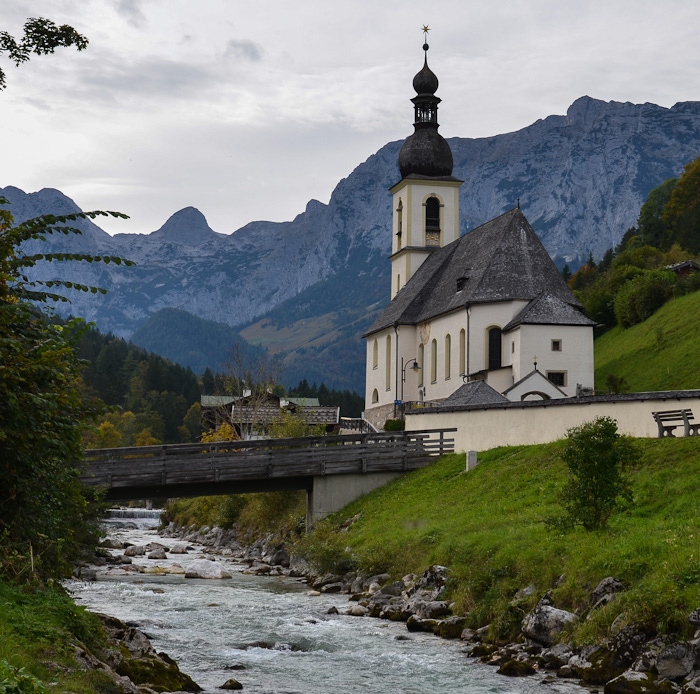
{"type": "Point", "coordinates": [375, 354]}
{"type": "Point", "coordinates": [448, 355]}
{"type": "Point", "coordinates": [462, 352]}
{"type": "Point", "coordinates": [375, 396]}
{"type": "Point", "coordinates": [398, 282]}
{"type": "Point", "coordinates": [399, 224]}
{"type": "Point", "coordinates": [495, 348]}
{"type": "Point", "coordinates": [421, 363]}
{"type": "Point", "coordinates": [388, 362]}
{"type": "Point", "coordinates": [432, 222]}
{"type": "Point", "coordinates": [433, 361]}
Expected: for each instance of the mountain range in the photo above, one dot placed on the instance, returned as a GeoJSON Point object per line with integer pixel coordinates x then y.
{"type": "Point", "coordinates": [307, 289]}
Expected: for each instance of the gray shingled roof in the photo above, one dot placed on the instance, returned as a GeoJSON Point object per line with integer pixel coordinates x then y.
{"type": "Point", "coordinates": [547, 309]}
{"type": "Point", "coordinates": [474, 393]}
{"type": "Point", "coordinates": [502, 259]}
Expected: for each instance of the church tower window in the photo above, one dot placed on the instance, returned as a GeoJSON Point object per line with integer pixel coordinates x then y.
{"type": "Point", "coordinates": [375, 355]}
{"type": "Point", "coordinates": [433, 361]}
{"type": "Point", "coordinates": [462, 351]}
{"type": "Point", "coordinates": [432, 221]}
{"type": "Point", "coordinates": [399, 225]}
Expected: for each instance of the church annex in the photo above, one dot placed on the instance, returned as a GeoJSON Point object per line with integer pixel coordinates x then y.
{"type": "Point", "coordinates": [480, 318]}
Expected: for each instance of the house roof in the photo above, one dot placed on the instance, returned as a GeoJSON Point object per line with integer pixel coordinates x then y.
{"type": "Point", "coordinates": [216, 400]}
{"type": "Point", "coordinates": [305, 402]}
{"type": "Point", "coordinates": [501, 260]}
{"type": "Point", "coordinates": [548, 309]}
{"type": "Point", "coordinates": [474, 393]}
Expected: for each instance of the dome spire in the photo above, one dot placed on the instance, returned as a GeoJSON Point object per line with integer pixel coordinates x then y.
{"type": "Point", "coordinates": [426, 152]}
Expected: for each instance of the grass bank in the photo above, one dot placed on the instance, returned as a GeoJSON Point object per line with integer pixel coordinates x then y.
{"type": "Point", "coordinates": [38, 630]}
{"type": "Point", "coordinates": [487, 527]}
{"type": "Point", "coordinates": [659, 354]}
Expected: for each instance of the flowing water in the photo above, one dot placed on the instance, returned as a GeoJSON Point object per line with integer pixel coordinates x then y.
{"type": "Point", "coordinates": [274, 638]}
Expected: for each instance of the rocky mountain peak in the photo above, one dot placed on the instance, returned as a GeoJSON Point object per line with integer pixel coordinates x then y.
{"type": "Point", "coordinates": [187, 226]}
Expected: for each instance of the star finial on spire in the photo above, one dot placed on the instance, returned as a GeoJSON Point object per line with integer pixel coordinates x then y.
{"type": "Point", "coordinates": [426, 29]}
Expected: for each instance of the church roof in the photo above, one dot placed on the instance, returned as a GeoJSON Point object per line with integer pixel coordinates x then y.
{"type": "Point", "coordinates": [474, 393]}
{"type": "Point", "coordinates": [548, 309]}
{"type": "Point", "coordinates": [502, 260]}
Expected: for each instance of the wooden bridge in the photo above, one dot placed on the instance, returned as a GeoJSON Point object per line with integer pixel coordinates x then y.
{"type": "Point", "coordinates": [333, 470]}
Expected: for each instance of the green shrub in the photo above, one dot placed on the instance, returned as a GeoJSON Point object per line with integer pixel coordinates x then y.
{"type": "Point", "coordinates": [639, 298]}
{"type": "Point", "coordinates": [394, 425]}
{"type": "Point", "coordinates": [324, 549]}
{"type": "Point", "coordinates": [595, 454]}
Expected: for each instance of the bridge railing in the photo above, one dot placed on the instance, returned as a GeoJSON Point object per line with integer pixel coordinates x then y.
{"type": "Point", "coordinates": [173, 464]}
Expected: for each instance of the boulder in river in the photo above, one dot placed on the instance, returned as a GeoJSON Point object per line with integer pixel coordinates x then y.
{"type": "Point", "coordinates": [203, 568]}
{"type": "Point", "coordinates": [231, 684]}
{"type": "Point", "coordinates": [545, 622]}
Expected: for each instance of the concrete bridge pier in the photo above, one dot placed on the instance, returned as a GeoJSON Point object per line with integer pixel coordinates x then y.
{"type": "Point", "coordinates": [329, 493]}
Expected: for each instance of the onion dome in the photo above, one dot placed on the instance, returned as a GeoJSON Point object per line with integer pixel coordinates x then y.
{"type": "Point", "coordinates": [426, 152]}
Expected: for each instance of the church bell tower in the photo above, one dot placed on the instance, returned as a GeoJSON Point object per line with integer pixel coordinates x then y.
{"type": "Point", "coordinates": [426, 199]}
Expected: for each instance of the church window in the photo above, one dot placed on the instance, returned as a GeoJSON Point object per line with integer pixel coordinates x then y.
{"type": "Point", "coordinates": [556, 345]}
{"type": "Point", "coordinates": [375, 355]}
{"type": "Point", "coordinates": [421, 355]}
{"type": "Point", "coordinates": [433, 361]}
{"type": "Point", "coordinates": [399, 224]}
{"type": "Point", "coordinates": [512, 347]}
{"type": "Point", "coordinates": [462, 351]}
{"type": "Point", "coordinates": [495, 348]}
{"type": "Point", "coordinates": [375, 396]}
{"type": "Point", "coordinates": [398, 283]}
{"type": "Point", "coordinates": [448, 355]}
{"type": "Point", "coordinates": [557, 377]}
{"type": "Point", "coordinates": [388, 362]}
{"type": "Point", "coordinates": [432, 221]}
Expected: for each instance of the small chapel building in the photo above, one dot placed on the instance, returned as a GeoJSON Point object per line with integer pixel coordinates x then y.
{"type": "Point", "coordinates": [481, 317]}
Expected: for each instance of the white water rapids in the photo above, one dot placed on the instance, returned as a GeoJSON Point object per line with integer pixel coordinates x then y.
{"type": "Point", "coordinates": [281, 636]}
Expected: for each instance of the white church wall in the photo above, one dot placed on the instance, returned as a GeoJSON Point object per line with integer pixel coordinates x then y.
{"type": "Point", "coordinates": [517, 425]}
{"type": "Point", "coordinates": [481, 318]}
{"type": "Point", "coordinates": [574, 358]}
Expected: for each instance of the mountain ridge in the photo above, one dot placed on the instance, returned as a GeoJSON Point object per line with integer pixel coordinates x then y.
{"type": "Point", "coordinates": [580, 177]}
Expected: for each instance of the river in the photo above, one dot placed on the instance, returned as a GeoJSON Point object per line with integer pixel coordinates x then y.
{"type": "Point", "coordinates": [275, 638]}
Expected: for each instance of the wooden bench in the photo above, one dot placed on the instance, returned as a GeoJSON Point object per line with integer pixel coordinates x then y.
{"type": "Point", "coordinates": [669, 420]}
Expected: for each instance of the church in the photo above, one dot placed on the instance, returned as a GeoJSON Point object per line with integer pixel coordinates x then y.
{"type": "Point", "coordinates": [476, 319]}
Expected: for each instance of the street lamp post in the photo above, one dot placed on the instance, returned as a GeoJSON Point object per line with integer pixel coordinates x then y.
{"type": "Point", "coordinates": [414, 366]}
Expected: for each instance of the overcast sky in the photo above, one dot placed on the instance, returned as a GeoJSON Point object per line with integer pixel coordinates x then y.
{"type": "Point", "coordinates": [247, 110]}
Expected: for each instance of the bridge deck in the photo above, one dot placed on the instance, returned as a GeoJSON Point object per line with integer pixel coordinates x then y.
{"type": "Point", "coordinates": [241, 466]}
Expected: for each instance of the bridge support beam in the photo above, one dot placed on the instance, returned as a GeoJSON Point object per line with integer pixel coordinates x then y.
{"type": "Point", "coordinates": [331, 492]}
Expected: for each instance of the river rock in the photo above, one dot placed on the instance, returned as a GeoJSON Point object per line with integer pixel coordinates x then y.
{"type": "Point", "coordinates": [416, 624]}
{"type": "Point", "coordinates": [125, 560]}
{"type": "Point", "coordinates": [545, 622]}
{"type": "Point", "coordinates": [135, 551]}
{"type": "Point", "coordinates": [676, 661]}
{"type": "Point", "coordinates": [432, 581]}
{"type": "Point", "coordinates": [157, 554]}
{"type": "Point", "coordinates": [111, 543]}
{"type": "Point", "coordinates": [231, 684]}
{"type": "Point", "coordinates": [606, 591]}
{"type": "Point", "coordinates": [179, 548]}
{"type": "Point", "coordinates": [433, 610]}
{"type": "Point", "coordinates": [516, 668]}
{"type": "Point", "coordinates": [694, 618]}
{"type": "Point", "coordinates": [633, 682]}
{"type": "Point", "coordinates": [358, 611]}
{"type": "Point", "coordinates": [450, 628]}
{"type": "Point", "coordinates": [692, 686]}
{"type": "Point", "coordinates": [557, 656]}
{"type": "Point", "coordinates": [203, 568]}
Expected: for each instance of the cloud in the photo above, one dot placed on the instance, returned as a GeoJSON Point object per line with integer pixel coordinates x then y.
{"type": "Point", "coordinates": [243, 50]}
{"type": "Point", "coordinates": [131, 11]}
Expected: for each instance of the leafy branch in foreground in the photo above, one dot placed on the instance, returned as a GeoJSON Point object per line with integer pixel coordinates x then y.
{"type": "Point", "coordinates": [44, 511]}
{"type": "Point", "coordinates": [14, 263]}
{"type": "Point", "coordinates": [41, 37]}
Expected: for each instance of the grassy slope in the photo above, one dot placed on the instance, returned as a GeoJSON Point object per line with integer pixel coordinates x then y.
{"type": "Point", "coordinates": [660, 354]}
{"type": "Point", "coordinates": [37, 630]}
{"type": "Point", "coordinates": [487, 527]}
